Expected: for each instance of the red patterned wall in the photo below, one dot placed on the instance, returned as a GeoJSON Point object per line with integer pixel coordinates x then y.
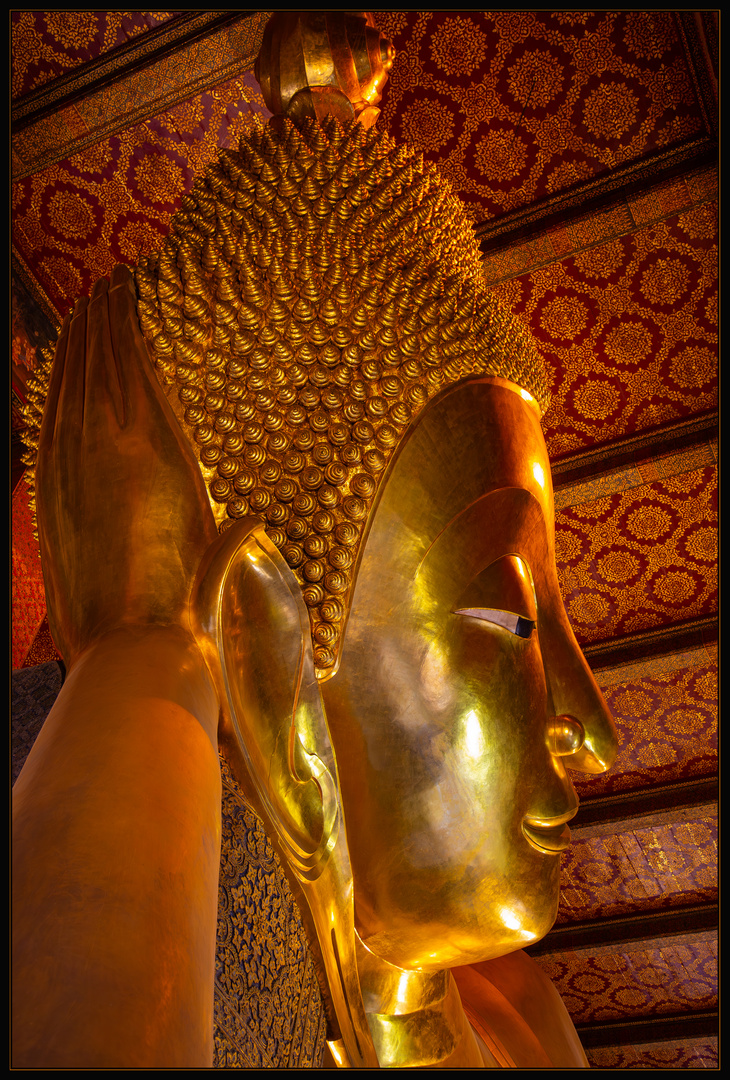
{"type": "Point", "coordinates": [640, 558]}
{"type": "Point", "coordinates": [628, 330]}
{"type": "Point", "coordinates": [112, 203]}
{"type": "Point", "coordinates": [697, 1053]}
{"type": "Point", "coordinates": [46, 44]}
{"type": "Point", "coordinates": [518, 105]}
{"type": "Point", "coordinates": [650, 868]}
{"type": "Point", "coordinates": [640, 982]}
{"type": "Point", "coordinates": [667, 728]}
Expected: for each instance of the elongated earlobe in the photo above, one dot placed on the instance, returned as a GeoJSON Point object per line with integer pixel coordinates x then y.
{"type": "Point", "coordinates": [257, 640]}
{"type": "Point", "coordinates": [251, 622]}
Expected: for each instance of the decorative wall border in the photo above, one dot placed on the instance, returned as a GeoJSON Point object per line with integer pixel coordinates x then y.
{"type": "Point", "coordinates": [141, 51]}
{"type": "Point", "coordinates": [587, 198]}
{"type": "Point", "coordinates": [669, 439]}
{"type": "Point", "coordinates": [676, 638]}
{"type": "Point", "coordinates": [656, 1029]}
{"type": "Point", "coordinates": [148, 84]}
{"type": "Point", "coordinates": [582, 229]}
{"type": "Point", "coordinates": [612, 934]}
{"type": "Point", "coordinates": [634, 809]}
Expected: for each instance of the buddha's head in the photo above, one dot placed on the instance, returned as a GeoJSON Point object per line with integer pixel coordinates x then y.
{"type": "Point", "coordinates": [317, 290]}
{"type": "Point", "coordinates": [318, 319]}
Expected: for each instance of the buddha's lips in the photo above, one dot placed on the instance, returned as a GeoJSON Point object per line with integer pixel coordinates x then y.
{"type": "Point", "coordinates": [551, 836]}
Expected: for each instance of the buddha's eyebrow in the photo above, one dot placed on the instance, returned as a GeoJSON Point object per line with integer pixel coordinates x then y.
{"type": "Point", "coordinates": [516, 624]}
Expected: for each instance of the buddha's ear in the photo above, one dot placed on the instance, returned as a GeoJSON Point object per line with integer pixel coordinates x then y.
{"type": "Point", "coordinates": [250, 619]}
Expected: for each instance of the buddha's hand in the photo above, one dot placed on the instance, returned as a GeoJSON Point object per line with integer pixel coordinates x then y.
{"type": "Point", "coordinates": [123, 515]}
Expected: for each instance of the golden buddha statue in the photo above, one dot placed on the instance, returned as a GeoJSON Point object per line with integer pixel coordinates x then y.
{"type": "Point", "coordinates": [323, 538]}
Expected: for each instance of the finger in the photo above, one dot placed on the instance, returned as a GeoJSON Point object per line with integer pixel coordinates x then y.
{"type": "Point", "coordinates": [137, 379]}
{"type": "Point", "coordinates": [48, 423]}
{"type": "Point", "coordinates": [102, 391]}
{"type": "Point", "coordinates": [70, 411]}
{"type": "Point", "coordinates": [122, 275]}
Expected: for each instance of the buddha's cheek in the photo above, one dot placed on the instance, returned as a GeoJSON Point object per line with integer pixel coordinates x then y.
{"type": "Point", "coordinates": [448, 876]}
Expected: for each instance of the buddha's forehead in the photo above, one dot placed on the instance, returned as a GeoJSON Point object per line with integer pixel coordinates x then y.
{"type": "Point", "coordinates": [472, 477]}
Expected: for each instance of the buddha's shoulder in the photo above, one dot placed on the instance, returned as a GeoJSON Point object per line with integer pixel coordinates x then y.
{"type": "Point", "coordinates": [516, 1011]}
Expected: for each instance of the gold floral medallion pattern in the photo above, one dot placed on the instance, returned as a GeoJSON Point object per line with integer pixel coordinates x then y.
{"type": "Point", "coordinates": [667, 728]}
{"type": "Point", "coordinates": [628, 330]}
{"type": "Point", "coordinates": [668, 865]}
{"type": "Point", "coordinates": [46, 44]}
{"type": "Point", "coordinates": [693, 1053]}
{"type": "Point", "coordinates": [554, 98]}
{"type": "Point", "coordinates": [640, 982]}
{"type": "Point", "coordinates": [640, 558]}
{"type": "Point", "coordinates": [113, 202]}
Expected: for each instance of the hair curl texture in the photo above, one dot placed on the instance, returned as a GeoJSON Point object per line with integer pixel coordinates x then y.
{"type": "Point", "coordinates": [316, 290]}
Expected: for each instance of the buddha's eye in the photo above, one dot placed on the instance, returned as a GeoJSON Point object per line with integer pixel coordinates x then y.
{"type": "Point", "coordinates": [516, 624]}
{"type": "Point", "coordinates": [499, 593]}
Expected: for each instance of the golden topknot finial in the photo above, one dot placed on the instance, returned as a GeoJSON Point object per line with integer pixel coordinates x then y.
{"type": "Point", "coordinates": [319, 63]}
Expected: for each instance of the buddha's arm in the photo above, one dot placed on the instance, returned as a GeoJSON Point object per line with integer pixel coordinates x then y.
{"type": "Point", "coordinates": [116, 838]}
{"type": "Point", "coordinates": [117, 810]}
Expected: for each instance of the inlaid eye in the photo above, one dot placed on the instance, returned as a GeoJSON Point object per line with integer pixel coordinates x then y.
{"type": "Point", "coordinates": [502, 594]}
{"type": "Point", "coordinates": [516, 624]}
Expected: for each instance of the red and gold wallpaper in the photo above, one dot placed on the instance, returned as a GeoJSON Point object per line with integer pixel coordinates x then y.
{"type": "Point", "coordinates": [516, 106]}
{"type": "Point", "coordinates": [667, 865]}
{"type": "Point", "coordinates": [640, 981]}
{"type": "Point", "coordinates": [112, 203]}
{"type": "Point", "coordinates": [667, 729]}
{"type": "Point", "coordinates": [640, 558]}
{"type": "Point", "coordinates": [627, 329]}
{"type": "Point", "coordinates": [46, 44]}
{"type": "Point", "coordinates": [693, 1053]}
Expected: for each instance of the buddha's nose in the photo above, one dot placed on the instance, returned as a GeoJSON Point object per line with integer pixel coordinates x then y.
{"type": "Point", "coordinates": [565, 736]}
{"type": "Point", "coordinates": [584, 735]}
{"type": "Point", "coordinates": [588, 744]}
{"type": "Point", "coordinates": [581, 730]}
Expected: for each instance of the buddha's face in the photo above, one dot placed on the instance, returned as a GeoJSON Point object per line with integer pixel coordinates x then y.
{"type": "Point", "coordinates": [461, 694]}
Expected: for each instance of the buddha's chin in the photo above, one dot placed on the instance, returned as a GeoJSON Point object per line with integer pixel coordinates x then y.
{"type": "Point", "coordinates": [437, 948]}
{"type": "Point", "coordinates": [415, 924]}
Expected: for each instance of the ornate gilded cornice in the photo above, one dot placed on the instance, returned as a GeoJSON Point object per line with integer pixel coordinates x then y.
{"type": "Point", "coordinates": [599, 194]}
{"type": "Point", "coordinates": [592, 935]}
{"type": "Point", "coordinates": [589, 225]}
{"type": "Point", "coordinates": [640, 459]}
{"type": "Point", "coordinates": [87, 78]}
{"type": "Point", "coordinates": [632, 648]}
{"type": "Point", "coordinates": [670, 438]}
{"type": "Point", "coordinates": [128, 85]}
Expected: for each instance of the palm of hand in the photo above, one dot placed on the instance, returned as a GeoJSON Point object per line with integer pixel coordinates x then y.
{"type": "Point", "coordinates": [123, 514]}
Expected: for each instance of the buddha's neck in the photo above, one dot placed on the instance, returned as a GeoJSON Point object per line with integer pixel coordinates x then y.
{"type": "Point", "coordinates": [415, 1017]}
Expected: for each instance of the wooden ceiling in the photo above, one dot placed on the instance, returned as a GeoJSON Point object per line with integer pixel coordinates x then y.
{"type": "Point", "coordinates": [584, 145]}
